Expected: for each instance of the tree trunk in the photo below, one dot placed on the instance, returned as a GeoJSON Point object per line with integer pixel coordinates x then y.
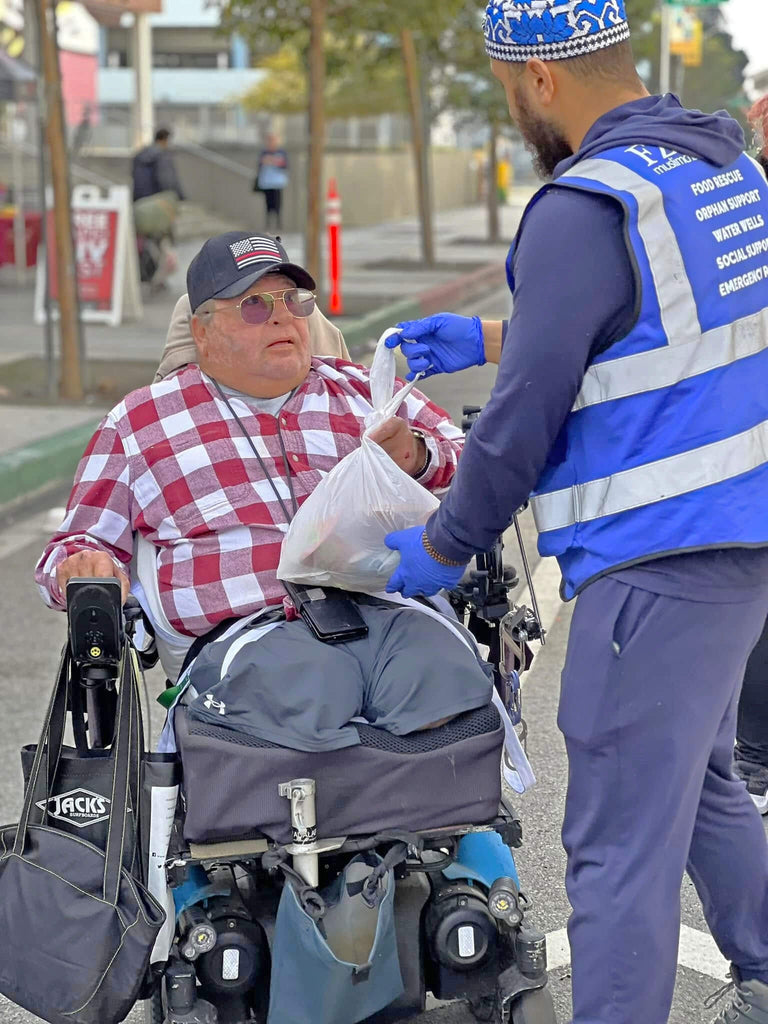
{"type": "Point", "coordinates": [316, 110]}
{"type": "Point", "coordinates": [71, 385]}
{"type": "Point", "coordinates": [420, 150]}
{"type": "Point", "coordinates": [493, 191]}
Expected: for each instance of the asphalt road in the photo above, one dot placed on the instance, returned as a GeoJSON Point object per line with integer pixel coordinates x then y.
{"type": "Point", "coordinates": [32, 637]}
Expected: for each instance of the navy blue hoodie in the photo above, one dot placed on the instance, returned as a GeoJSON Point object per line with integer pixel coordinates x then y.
{"type": "Point", "coordinates": [574, 297]}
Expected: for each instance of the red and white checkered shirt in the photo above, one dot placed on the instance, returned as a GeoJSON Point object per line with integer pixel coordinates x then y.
{"type": "Point", "coordinates": [171, 462]}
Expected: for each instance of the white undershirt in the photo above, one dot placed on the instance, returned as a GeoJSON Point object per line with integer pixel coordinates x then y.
{"type": "Point", "coordinates": [268, 406]}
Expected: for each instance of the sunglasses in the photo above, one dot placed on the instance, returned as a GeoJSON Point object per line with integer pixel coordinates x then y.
{"type": "Point", "coordinates": [257, 309]}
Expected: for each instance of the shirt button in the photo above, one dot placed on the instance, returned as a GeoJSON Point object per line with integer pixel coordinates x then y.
{"type": "Point", "coordinates": [283, 421]}
{"type": "Point", "coordinates": [295, 458]}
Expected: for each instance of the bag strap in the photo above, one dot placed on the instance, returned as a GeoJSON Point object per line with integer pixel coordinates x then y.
{"type": "Point", "coordinates": [265, 471]}
{"type": "Point", "coordinates": [309, 899]}
{"type": "Point", "coordinates": [77, 708]}
{"type": "Point", "coordinates": [372, 892]}
{"type": "Point", "coordinates": [48, 749]}
{"type": "Point", "coordinates": [125, 773]}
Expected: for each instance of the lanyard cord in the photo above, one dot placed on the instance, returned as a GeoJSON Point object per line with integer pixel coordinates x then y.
{"type": "Point", "coordinates": [287, 465]}
{"type": "Point", "coordinates": [264, 469]}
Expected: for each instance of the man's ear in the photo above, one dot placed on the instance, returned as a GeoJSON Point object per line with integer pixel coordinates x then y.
{"type": "Point", "coordinates": [540, 81]}
{"type": "Point", "coordinates": [199, 329]}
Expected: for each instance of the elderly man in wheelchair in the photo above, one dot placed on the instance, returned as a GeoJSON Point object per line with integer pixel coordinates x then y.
{"type": "Point", "coordinates": [333, 746]}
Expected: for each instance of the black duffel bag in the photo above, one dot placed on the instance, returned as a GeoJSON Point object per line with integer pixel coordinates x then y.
{"type": "Point", "coordinates": [76, 927]}
{"type": "Point", "coordinates": [80, 797]}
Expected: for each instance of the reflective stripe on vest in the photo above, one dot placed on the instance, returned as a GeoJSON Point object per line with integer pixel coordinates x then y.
{"type": "Point", "coordinates": [679, 315]}
{"type": "Point", "coordinates": [690, 352]}
{"type": "Point", "coordinates": [686, 353]}
{"type": "Point", "coordinates": [655, 481]}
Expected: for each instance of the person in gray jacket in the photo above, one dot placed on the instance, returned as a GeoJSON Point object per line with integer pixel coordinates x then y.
{"type": "Point", "coordinates": [154, 170]}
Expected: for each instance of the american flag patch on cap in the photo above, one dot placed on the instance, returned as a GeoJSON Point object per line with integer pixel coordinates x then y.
{"type": "Point", "coordinates": [255, 249]}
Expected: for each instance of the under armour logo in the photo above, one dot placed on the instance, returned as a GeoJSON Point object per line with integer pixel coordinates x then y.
{"type": "Point", "coordinates": [209, 703]}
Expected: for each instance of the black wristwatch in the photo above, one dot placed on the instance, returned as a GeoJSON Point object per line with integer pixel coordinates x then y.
{"type": "Point", "coordinates": [428, 459]}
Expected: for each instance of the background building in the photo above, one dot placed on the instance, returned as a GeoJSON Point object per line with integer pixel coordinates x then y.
{"type": "Point", "coordinates": [198, 75]}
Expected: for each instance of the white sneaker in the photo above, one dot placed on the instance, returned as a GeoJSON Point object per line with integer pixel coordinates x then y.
{"type": "Point", "coordinates": [756, 778]}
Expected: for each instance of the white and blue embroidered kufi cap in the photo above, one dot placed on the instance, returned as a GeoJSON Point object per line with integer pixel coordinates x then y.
{"type": "Point", "coordinates": [517, 30]}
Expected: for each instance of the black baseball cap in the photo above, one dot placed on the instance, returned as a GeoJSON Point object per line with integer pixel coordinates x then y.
{"type": "Point", "coordinates": [229, 264]}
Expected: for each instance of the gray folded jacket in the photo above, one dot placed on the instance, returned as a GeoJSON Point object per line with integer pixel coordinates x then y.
{"type": "Point", "coordinates": [324, 338]}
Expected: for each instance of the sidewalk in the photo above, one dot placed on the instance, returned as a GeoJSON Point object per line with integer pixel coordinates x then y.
{"type": "Point", "coordinates": [382, 282]}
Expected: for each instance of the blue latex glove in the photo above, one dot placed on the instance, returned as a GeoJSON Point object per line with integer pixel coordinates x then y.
{"type": "Point", "coordinates": [418, 572]}
{"type": "Point", "coordinates": [443, 343]}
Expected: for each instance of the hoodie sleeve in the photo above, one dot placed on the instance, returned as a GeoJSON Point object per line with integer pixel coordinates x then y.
{"type": "Point", "coordinates": [574, 296]}
{"type": "Point", "coordinates": [167, 178]}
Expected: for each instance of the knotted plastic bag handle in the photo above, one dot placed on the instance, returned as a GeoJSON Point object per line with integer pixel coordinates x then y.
{"type": "Point", "coordinates": [382, 379]}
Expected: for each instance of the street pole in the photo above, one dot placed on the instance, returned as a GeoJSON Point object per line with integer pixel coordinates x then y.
{"type": "Point", "coordinates": [665, 56]}
{"type": "Point", "coordinates": [143, 113]}
{"type": "Point", "coordinates": [417, 141]}
{"type": "Point", "coordinates": [33, 49]}
{"type": "Point", "coordinates": [19, 223]}
{"type": "Point", "coordinates": [71, 386]}
{"type": "Point", "coordinates": [493, 191]}
{"type": "Point", "coordinates": [312, 254]}
{"type": "Point", "coordinates": [426, 152]}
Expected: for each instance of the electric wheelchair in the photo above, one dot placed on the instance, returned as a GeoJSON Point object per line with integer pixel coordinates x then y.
{"type": "Point", "coordinates": [462, 931]}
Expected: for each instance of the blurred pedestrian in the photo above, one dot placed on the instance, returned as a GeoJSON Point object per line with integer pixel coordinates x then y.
{"type": "Point", "coordinates": [156, 194]}
{"type": "Point", "coordinates": [503, 179]}
{"type": "Point", "coordinates": [83, 132]}
{"type": "Point", "coordinates": [751, 754]}
{"type": "Point", "coordinates": [154, 169]}
{"type": "Point", "coordinates": [758, 118]}
{"type": "Point", "coordinates": [272, 178]}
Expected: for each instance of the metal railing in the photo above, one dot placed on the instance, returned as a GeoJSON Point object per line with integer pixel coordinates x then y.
{"type": "Point", "coordinates": [112, 121]}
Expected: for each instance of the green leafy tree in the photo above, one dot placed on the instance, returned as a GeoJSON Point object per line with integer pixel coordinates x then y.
{"type": "Point", "coordinates": [354, 74]}
{"type": "Point", "coordinates": [717, 83]}
{"type": "Point", "coordinates": [358, 84]}
{"type": "Point", "coordinates": [466, 86]}
{"type": "Point", "coordinates": [645, 23]}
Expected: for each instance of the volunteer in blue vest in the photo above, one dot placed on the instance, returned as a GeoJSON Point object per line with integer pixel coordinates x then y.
{"type": "Point", "coordinates": [631, 406]}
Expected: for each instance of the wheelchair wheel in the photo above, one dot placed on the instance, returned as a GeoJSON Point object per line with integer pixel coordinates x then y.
{"type": "Point", "coordinates": [534, 1007]}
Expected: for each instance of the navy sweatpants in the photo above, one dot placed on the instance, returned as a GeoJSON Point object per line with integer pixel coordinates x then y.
{"type": "Point", "coordinates": [648, 706]}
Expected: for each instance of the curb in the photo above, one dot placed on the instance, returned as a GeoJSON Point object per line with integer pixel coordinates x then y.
{"type": "Point", "coordinates": [53, 460]}
{"type": "Point", "coordinates": [360, 334]}
{"type": "Point", "coordinates": [43, 464]}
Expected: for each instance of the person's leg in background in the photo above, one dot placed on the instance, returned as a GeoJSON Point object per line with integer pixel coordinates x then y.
{"type": "Point", "coordinates": [646, 686]}
{"type": "Point", "coordinates": [167, 264]}
{"type": "Point", "coordinates": [272, 201]}
{"type": "Point", "coordinates": [751, 754]}
{"type": "Point", "coordinates": [736, 913]}
{"type": "Point", "coordinates": [278, 208]}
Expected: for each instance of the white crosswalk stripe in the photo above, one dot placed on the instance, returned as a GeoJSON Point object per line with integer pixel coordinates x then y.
{"type": "Point", "coordinates": [697, 952]}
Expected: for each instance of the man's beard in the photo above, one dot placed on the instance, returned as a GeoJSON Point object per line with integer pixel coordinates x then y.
{"type": "Point", "coordinates": [546, 144]}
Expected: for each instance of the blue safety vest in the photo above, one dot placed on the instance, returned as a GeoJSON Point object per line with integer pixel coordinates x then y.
{"type": "Point", "coordinates": [666, 447]}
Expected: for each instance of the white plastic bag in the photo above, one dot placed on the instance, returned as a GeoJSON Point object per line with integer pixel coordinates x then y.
{"type": "Point", "coordinates": [336, 538]}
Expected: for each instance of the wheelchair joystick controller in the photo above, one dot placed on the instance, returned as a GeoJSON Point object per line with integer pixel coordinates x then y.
{"type": "Point", "coordinates": [304, 849]}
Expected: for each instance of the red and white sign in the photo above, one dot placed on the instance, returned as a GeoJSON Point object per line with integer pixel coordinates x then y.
{"type": "Point", "coordinates": [95, 251]}
{"type": "Point", "coordinates": [105, 257]}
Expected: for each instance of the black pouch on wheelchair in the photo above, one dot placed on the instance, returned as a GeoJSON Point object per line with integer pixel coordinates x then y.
{"type": "Point", "coordinates": [76, 928]}
{"type": "Point", "coordinates": [80, 800]}
{"type": "Point", "coordinates": [335, 961]}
